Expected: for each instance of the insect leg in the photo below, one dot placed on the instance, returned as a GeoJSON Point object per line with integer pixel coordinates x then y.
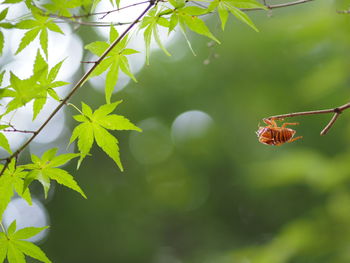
{"type": "Point", "coordinates": [289, 123]}
{"type": "Point", "coordinates": [297, 138]}
{"type": "Point", "coordinates": [270, 122]}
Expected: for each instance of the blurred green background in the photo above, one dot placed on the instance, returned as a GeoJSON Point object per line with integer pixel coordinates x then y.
{"type": "Point", "coordinates": [205, 190]}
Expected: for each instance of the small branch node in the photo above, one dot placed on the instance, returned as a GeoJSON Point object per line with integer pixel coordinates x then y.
{"type": "Point", "coordinates": [337, 110]}
{"type": "Point", "coordinates": [88, 62]}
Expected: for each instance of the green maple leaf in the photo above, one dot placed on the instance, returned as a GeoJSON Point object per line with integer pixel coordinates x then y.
{"type": "Point", "coordinates": [3, 15]}
{"type": "Point", "coordinates": [177, 3]}
{"type": "Point", "coordinates": [39, 25]}
{"type": "Point", "coordinates": [151, 23]}
{"type": "Point", "coordinates": [94, 126]}
{"type": "Point", "coordinates": [45, 169]}
{"type": "Point", "coordinates": [188, 17]}
{"type": "Point", "coordinates": [14, 247]}
{"type": "Point", "coordinates": [12, 181]}
{"type": "Point", "coordinates": [62, 7]}
{"type": "Point", "coordinates": [116, 60]}
{"type": "Point", "coordinates": [22, 91]}
{"type": "Point", "coordinates": [233, 6]}
{"type": "Point", "coordinates": [37, 87]}
{"type": "Point", "coordinates": [3, 140]}
{"type": "Point", "coordinates": [12, 1]}
{"type": "Point", "coordinates": [6, 91]}
{"type": "Point", "coordinates": [46, 83]}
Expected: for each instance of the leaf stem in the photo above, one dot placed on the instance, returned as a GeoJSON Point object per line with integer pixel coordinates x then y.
{"type": "Point", "coordinates": [2, 227]}
{"type": "Point", "coordinates": [77, 86]}
{"type": "Point", "coordinates": [337, 111]}
{"type": "Point", "coordinates": [75, 107]}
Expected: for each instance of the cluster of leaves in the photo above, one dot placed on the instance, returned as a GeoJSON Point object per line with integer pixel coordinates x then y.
{"type": "Point", "coordinates": [93, 125]}
{"type": "Point", "coordinates": [14, 247]}
{"type": "Point", "coordinates": [190, 17]}
{"type": "Point", "coordinates": [16, 179]}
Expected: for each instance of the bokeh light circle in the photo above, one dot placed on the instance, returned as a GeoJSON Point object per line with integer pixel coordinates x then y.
{"type": "Point", "coordinates": [190, 125]}
{"type": "Point", "coordinates": [26, 215]}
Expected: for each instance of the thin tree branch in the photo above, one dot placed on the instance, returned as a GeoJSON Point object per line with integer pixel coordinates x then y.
{"type": "Point", "coordinates": [278, 5]}
{"type": "Point", "coordinates": [76, 87]}
{"type": "Point", "coordinates": [330, 124]}
{"type": "Point", "coordinates": [337, 111]}
{"type": "Point", "coordinates": [95, 24]}
{"type": "Point", "coordinates": [19, 131]}
{"type": "Point", "coordinates": [106, 13]}
{"type": "Point", "coordinates": [14, 129]}
{"type": "Point", "coordinates": [343, 11]}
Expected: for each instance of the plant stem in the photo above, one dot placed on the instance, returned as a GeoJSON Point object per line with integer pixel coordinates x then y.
{"type": "Point", "coordinates": [2, 227]}
{"type": "Point", "coordinates": [75, 107]}
{"type": "Point", "coordinates": [76, 87]}
{"type": "Point", "coordinates": [337, 111]}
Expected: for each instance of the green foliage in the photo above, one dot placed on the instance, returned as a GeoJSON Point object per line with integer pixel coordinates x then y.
{"type": "Point", "coordinates": [39, 25]}
{"type": "Point", "coordinates": [94, 126]}
{"type": "Point", "coordinates": [22, 91]}
{"type": "Point", "coordinates": [45, 169]}
{"type": "Point", "coordinates": [116, 60]}
{"type": "Point", "coordinates": [151, 23]}
{"type": "Point", "coordinates": [66, 7]}
{"type": "Point", "coordinates": [188, 17]}
{"type": "Point", "coordinates": [3, 15]}
{"type": "Point", "coordinates": [12, 181]}
{"type": "Point", "coordinates": [46, 83]}
{"type": "Point", "coordinates": [177, 3]}
{"type": "Point", "coordinates": [12, 1]}
{"type": "Point", "coordinates": [13, 246]}
{"type": "Point", "coordinates": [3, 140]}
{"type": "Point", "coordinates": [38, 87]}
{"type": "Point", "coordinates": [233, 6]}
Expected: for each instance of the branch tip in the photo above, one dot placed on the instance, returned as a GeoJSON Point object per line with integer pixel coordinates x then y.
{"type": "Point", "coordinates": [337, 111]}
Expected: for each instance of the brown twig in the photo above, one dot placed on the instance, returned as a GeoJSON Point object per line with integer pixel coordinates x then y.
{"type": "Point", "coordinates": [19, 131]}
{"type": "Point", "coordinates": [88, 62]}
{"type": "Point", "coordinates": [106, 13]}
{"type": "Point", "coordinates": [330, 124]}
{"type": "Point", "coordinates": [278, 5]}
{"type": "Point", "coordinates": [76, 87]}
{"type": "Point", "coordinates": [14, 129]}
{"type": "Point", "coordinates": [95, 24]}
{"type": "Point", "coordinates": [343, 11]}
{"type": "Point", "coordinates": [337, 111]}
